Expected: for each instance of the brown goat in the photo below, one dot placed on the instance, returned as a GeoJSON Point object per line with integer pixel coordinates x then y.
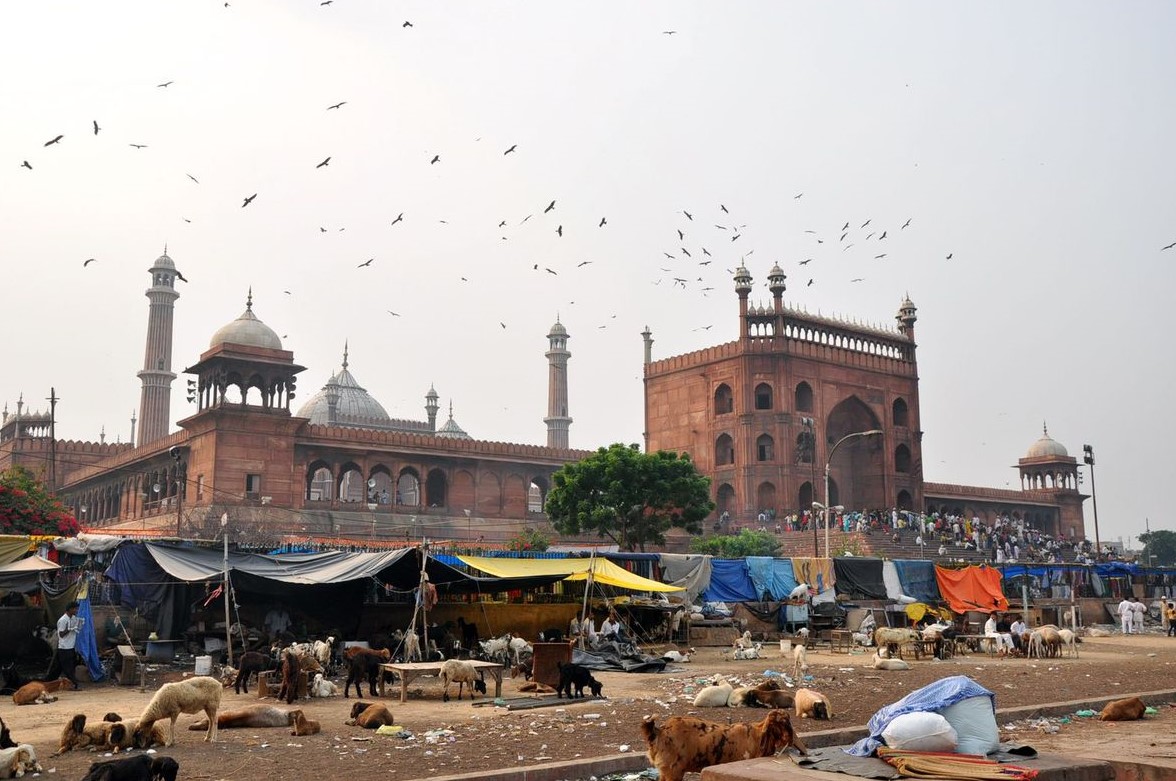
{"type": "Point", "coordinates": [1130, 709]}
{"type": "Point", "coordinates": [369, 716]}
{"type": "Point", "coordinates": [684, 744]}
{"type": "Point", "coordinates": [364, 663]}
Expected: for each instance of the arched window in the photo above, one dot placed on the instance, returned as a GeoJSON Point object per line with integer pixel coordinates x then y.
{"type": "Point", "coordinates": [724, 400]}
{"type": "Point", "coordinates": [902, 459]}
{"type": "Point", "coordinates": [765, 448]}
{"type": "Point", "coordinates": [804, 397]}
{"type": "Point", "coordinates": [536, 495]}
{"type": "Point", "coordinates": [763, 396]}
{"type": "Point", "coordinates": [352, 486]}
{"type": "Point", "coordinates": [724, 450]}
{"type": "Point", "coordinates": [725, 498]}
{"type": "Point", "coordinates": [805, 497]}
{"type": "Point", "coordinates": [319, 483]}
{"type": "Point", "coordinates": [435, 488]}
{"type": "Point", "coordinates": [899, 413]}
{"type": "Point", "coordinates": [903, 501]}
{"type": "Point", "coordinates": [408, 488]}
{"type": "Point", "coordinates": [765, 497]}
{"type": "Point", "coordinates": [381, 491]}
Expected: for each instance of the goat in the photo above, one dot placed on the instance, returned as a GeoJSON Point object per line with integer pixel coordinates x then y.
{"type": "Point", "coordinates": [322, 687]}
{"type": "Point", "coordinates": [18, 760]}
{"type": "Point", "coordinates": [6, 740]}
{"type": "Point", "coordinates": [369, 716]}
{"type": "Point", "coordinates": [518, 646]}
{"type": "Point", "coordinates": [288, 691]}
{"type": "Point", "coordinates": [574, 675]}
{"type": "Point", "coordinates": [122, 736]}
{"type": "Point", "coordinates": [717, 695]}
{"type": "Point", "coordinates": [469, 634]}
{"type": "Point", "coordinates": [752, 652]}
{"type": "Point", "coordinates": [766, 694]}
{"type": "Point", "coordinates": [684, 744]}
{"type": "Point", "coordinates": [461, 673]}
{"type": "Point", "coordinates": [251, 716]}
{"type": "Point", "coordinates": [39, 692]}
{"type": "Point", "coordinates": [882, 663]}
{"type": "Point", "coordinates": [365, 663]}
{"type": "Point", "coordinates": [201, 693]}
{"type": "Point", "coordinates": [303, 725]}
{"type": "Point", "coordinates": [810, 702]}
{"type": "Point", "coordinates": [744, 640]}
{"type": "Point", "coordinates": [323, 650]}
{"type": "Point", "coordinates": [799, 661]}
{"type": "Point", "coordinates": [677, 656]}
{"type": "Point", "coordinates": [1069, 640]}
{"type": "Point", "coordinates": [250, 663]}
{"type": "Point", "coordinates": [893, 638]}
{"type": "Point", "coordinates": [496, 649]}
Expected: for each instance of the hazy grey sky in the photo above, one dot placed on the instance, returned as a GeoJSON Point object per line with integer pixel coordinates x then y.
{"type": "Point", "coordinates": [1032, 142]}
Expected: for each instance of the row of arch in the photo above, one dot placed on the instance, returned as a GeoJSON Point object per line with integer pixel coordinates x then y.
{"type": "Point", "coordinates": [844, 341]}
{"type": "Point", "coordinates": [153, 490]}
{"type": "Point", "coordinates": [802, 397]}
{"type": "Point", "coordinates": [408, 488]}
{"type": "Point", "coordinates": [1061, 479]}
{"type": "Point", "coordinates": [765, 451]}
{"type": "Point", "coordinates": [767, 498]}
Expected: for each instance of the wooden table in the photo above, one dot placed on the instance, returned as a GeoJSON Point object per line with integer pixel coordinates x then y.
{"type": "Point", "coordinates": [840, 640]}
{"type": "Point", "coordinates": [409, 671]}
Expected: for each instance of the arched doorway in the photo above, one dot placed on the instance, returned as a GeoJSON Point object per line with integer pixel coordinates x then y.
{"type": "Point", "coordinates": [725, 499]}
{"type": "Point", "coordinates": [805, 497]}
{"type": "Point", "coordinates": [858, 466]}
{"type": "Point", "coordinates": [903, 501]}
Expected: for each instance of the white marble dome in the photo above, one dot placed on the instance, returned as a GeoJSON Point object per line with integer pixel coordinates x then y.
{"type": "Point", "coordinates": [247, 331]}
{"type": "Point", "coordinates": [1047, 447]}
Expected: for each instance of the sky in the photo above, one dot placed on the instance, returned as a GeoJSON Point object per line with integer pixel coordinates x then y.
{"type": "Point", "coordinates": [1029, 145]}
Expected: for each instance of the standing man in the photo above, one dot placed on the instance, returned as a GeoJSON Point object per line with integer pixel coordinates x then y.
{"type": "Point", "coordinates": [1170, 615]}
{"type": "Point", "coordinates": [277, 621]}
{"type": "Point", "coordinates": [68, 627]}
{"type": "Point", "coordinates": [1126, 613]}
{"type": "Point", "coordinates": [1137, 620]}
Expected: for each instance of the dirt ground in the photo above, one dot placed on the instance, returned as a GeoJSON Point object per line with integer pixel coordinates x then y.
{"type": "Point", "coordinates": [455, 737]}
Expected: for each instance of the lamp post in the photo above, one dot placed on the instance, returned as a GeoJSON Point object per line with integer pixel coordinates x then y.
{"type": "Point", "coordinates": [828, 467]}
{"type": "Point", "coordinates": [469, 526]}
{"type": "Point", "coordinates": [1088, 457]}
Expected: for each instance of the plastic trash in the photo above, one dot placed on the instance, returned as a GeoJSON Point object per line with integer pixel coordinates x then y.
{"type": "Point", "coordinates": [1086, 713]}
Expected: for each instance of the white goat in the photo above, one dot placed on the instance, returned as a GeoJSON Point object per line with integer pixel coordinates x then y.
{"type": "Point", "coordinates": [1070, 641]}
{"type": "Point", "coordinates": [714, 696]}
{"type": "Point", "coordinates": [799, 661]}
{"type": "Point", "coordinates": [322, 651]}
{"type": "Point", "coordinates": [496, 648]}
{"type": "Point", "coordinates": [518, 647]}
{"type": "Point", "coordinates": [322, 687]}
{"type": "Point", "coordinates": [744, 641]}
{"type": "Point", "coordinates": [882, 663]}
{"type": "Point", "coordinates": [749, 653]}
{"type": "Point", "coordinates": [461, 673]}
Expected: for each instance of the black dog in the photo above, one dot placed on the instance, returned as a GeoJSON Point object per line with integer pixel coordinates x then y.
{"type": "Point", "coordinates": [574, 675]}
{"type": "Point", "coordinates": [142, 767]}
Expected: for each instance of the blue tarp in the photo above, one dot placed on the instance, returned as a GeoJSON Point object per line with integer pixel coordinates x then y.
{"type": "Point", "coordinates": [1116, 569]}
{"type": "Point", "coordinates": [87, 642]}
{"type": "Point", "coordinates": [774, 576]}
{"type": "Point", "coordinates": [918, 579]}
{"type": "Point", "coordinates": [730, 582]}
{"type": "Point", "coordinates": [932, 697]}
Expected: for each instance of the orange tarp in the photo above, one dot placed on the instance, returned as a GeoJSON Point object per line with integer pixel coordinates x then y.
{"type": "Point", "coordinates": [971, 588]}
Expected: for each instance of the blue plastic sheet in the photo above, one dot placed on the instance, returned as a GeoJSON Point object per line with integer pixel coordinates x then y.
{"type": "Point", "coordinates": [730, 582]}
{"type": "Point", "coordinates": [774, 576]}
{"type": "Point", "coordinates": [932, 697]}
{"type": "Point", "coordinates": [918, 579]}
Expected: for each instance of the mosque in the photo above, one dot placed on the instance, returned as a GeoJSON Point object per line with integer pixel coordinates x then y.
{"type": "Point", "coordinates": [337, 466]}
{"type": "Point", "coordinates": [761, 416]}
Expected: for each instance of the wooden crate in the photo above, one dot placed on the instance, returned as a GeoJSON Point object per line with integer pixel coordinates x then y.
{"type": "Point", "coordinates": [127, 670]}
{"type": "Point", "coordinates": [269, 683]}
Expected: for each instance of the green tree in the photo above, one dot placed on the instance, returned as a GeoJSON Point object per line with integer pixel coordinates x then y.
{"type": "Point", "coordinates": [628, 496]}
{"type": "Point", "coordinates": [27, 508]}
{"type": "Point", "coordinates": [528, 540]}
{"type": "Point", "coordinates": [736, 546]}
{"type": "Point", "coordinates": [1161, 546]}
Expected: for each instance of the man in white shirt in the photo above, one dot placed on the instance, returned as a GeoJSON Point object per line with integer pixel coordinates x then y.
{"type": "Point", "coordinates": [1138, 608]}
{"type": "Point", "coordinates": [68, 627]}
{"type": "Point", "coordinates": [1018, 630]}
{"type": "Point", "coordinates": [1126, 614]}
{"type": "Point", "coordinates": [610, 626]}
{"type": "Point", "coordinates": [277, 621]}
{"type": "Point", "coordinates": [1003, 640]}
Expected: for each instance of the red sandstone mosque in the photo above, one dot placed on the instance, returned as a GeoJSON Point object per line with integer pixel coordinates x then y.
{"type": "Point", "coordinates": [760, 416]}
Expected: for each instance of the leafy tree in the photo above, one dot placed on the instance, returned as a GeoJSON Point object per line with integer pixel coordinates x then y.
{"type": "Point", "coordinates": [628, 496]}
{"type": "Point", "coordinates": [1161, 546]}
{"type": "Point", "coordinates": [529, 540]}
{"type": "Point", "coordinates": [736, 546]}
{"type": "Point", "coordinates": [27, 508]}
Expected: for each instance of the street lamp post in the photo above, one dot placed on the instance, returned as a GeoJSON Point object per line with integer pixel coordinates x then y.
{"type": "Point", "coordinates": [828, 467]}
{"type": "Point", "coordinates": [1088, 457]}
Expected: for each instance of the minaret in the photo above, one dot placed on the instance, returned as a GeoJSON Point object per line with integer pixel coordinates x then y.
{"type": "Point", "coordinates": [157, 376]}
{"type": "Point", "coordinates": [742, 289]}
{"type": "Point", "coordinates": [907, 317]}
{"type": "Point", "coordinates": [557, 419]}
{"type": "Point", "coordinates": [647, 336]}
{"type": "Point", "coordinates": [431, 407]}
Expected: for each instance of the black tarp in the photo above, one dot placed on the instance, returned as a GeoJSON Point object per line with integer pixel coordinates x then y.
{"type": "Point", "coordinates": [859, 578]}
{"type": "Point", "coordinates": [618, 656]}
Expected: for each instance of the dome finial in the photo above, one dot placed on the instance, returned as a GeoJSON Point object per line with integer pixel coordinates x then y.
{"type": "Point", "coordinates": [249, 300]}
{"type": "Point", "coordinates": [451, 409]}
{"type": "Point", "coordinates": [1044, 428]}
{"type": "Point", "coordinates": [165, 248]}
{"type": "Point", "coordinates": [345, 349]}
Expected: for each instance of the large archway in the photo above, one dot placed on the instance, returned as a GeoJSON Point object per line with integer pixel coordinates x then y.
{"type": "Point", "coordinates": [858, 466]}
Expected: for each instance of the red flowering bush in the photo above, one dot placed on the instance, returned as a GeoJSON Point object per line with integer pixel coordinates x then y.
{"type": "Point", "coordinates": [27, 508]}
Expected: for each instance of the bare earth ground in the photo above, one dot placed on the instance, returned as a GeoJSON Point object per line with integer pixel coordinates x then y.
{"type": "Point", "coordinates": [487, 738]}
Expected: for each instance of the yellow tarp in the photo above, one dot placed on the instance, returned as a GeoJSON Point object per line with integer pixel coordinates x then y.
{"type": "Point", "coordinates": [603, 571]}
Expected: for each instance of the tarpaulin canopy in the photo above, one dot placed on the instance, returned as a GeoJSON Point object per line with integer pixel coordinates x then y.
{"type": "Point", "coordinates": [691, 571]}
{"type": "Point", "coordinates": [13, 547]}
{"type": "Point", "coordinates": [971, 588]}
{"type": "Point", "coordinates": [25, 575]}
{"type": "Point", "coordinates": [730, 582]}
{"type": "Point", "coordinates": [88, 543]}
{"type": "Point", "coordinates": [817, 573]}
{"type": "Point", "coordinates": [859, 578]}
{"type": "Point", "coordinates": [770, 575]}
{"type": "Point", "coordinates": [30, 564]}
{"type": "Point", "coordinates": [603, 571]}
{"type": "Point", "coordinates": [918, 579]}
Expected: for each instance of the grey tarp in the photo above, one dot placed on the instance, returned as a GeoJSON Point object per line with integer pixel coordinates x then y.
{"type": "Point", "coordinates": [691, 571]}
{"type": "Point", "coordinates": [88, 543]}
{"type": "Point", "coordinates": [612, 655]}
{"type": "Point", "coordinates": [25, 575]}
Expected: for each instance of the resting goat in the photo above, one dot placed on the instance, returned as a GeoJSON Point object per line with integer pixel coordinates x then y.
{"type": "Point", "coordinates": [684, 744]}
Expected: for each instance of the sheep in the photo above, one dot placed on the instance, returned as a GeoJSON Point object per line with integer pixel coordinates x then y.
{"type": "Point", "coordinates": [201, 693]}
{"type": "Point", "coordinates": [18, 760]}
{"type": "Point", "coordinates": [748, 653]}
{"type": "Point", "coordinates": [892, 636]}
{"type": "Point", "coordinates": [456, 671]}
{"type": "Point", "coordinates": [323, 688]}
{"type": "Point", "coordinates": [811, 703]}
{"type": "Point", "coordinates": [799, 661]}
{"type": "Point", "coordinates": [321, 650]}
{"type": "Point", "coordinates": [744, 640]}
{"type": "Point", "coordinates": [1069, 640]}
{"type": "Point", "coordinates": [881, 663]}
{"type": "Point", "coordinates": [365, 663]}
{"type": "Point", "coordinates": [717, 695]}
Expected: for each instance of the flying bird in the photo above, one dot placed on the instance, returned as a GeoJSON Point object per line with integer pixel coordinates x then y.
{"type": "Point", "coordinates": [323, 163]}
{"type": "Point", "coordinates": [908, 222]}
{"type": "Point", "coordinates": [436, 159]}
{"type": "Point", "coordinates": [668, 255]}
{"type": "Point", "coordinates": [512, 148]}
{"type": "Point", "coordinates": [845, 227]}
{"type": "Point", "coordinates": [529, 216]}
{"type": "Point", "coordinates": [549, 271]}
{"type": "Point", "coordinates": [704, 252]}
{"type": "Point", "coordinates": [340, 104]}
{"type": "Point", "coordinates": [864, 224]}
{"type": "Point", "coordinates": [603, 222]}
{"type": "Point", "coordinates": [721, 227]}
{"type": "Point", "coordinates": [583, 263]}
{"type": "Point", "coordinates": [689, 216]}
{"type": "Point", "coordinates": [798, 195]}
{"type": "Point", "coordinates": [501, 224]}
{"type": "Point", "coordinates": [96, 128]}
{"type": "Point", "coordinates": [843, 235]}
{"type": "Point", "coordinates": [138, 146]}
{"type": "Point", "coordinates": [681, 236]}
{"type": "Point", "coordinates": [193, 178]}
{"type": "Point", "coordinates": [54, 141]}
{"type": "Point", "coordinates": [882, 236]}
{"type": "Point", "coordinates": [367, 262]}
{"type": "Point", "coordinates": [399, 217]}
{"type": "Point", "coordinates": [669, 32]}
{"type": "Point", "coordinates": [949, 256]}
{"type": "Point", "coordinates": [559, 230]}
{"type": "Point", "coordinates": [686, 252]}
{"type": "Point", "coordinates": [25, 164]}
{"type": "Point", "coordinates": [248, 200]}
{"type": "Point", "coordinates": [806, 261]}
{"type": "Point", "coordinates": [322, 229]}
{"type": "Point", "coordinates": [737, 235]}
{"type": "Point", "coordinates": [858, 279]}
{"type": "Point", "coordinates": [407, 24]}
{"type": "Point", "coordinates": [1170, 246]}
{"type": "Point", "coordinates": [879, 257]}
{"type": "Point", "coordinates": [724, 208]}
{"type": "Point", "coordinates": [165, 84]}
{"type": "Point", "coordinates": [550, 206]}
{"type": "Point", "coordinates": [88, 262]}
{"type": "Point", "coordinates": [326, 2]}
{"type": "Point", "coordinates": [810, 283]}
{"type": "Point", "coordinates": [394, 314]}
{"type": "Point", "coordinates": [180, 277]}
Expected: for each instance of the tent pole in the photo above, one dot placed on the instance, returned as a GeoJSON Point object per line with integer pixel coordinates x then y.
{"type": "Point", "coordinates": [424, 609]}
{"type": "Point", "coordinates": [587, 588]}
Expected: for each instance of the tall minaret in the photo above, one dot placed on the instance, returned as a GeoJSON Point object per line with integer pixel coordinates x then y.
{"type": "Point", "coordinates": [157, 376]}
{"type": "Point", "coordinates": [557, 419]}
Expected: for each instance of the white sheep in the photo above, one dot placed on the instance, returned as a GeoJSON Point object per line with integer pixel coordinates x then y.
{"type": "Point", "coordinates": [461, 673]}
{"type": "Point", "coordinates": [714, 696]}
{"type": "Point", "coordinates": [322, 651]}
{"type": "Point", "coordinates": [322, 687]}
